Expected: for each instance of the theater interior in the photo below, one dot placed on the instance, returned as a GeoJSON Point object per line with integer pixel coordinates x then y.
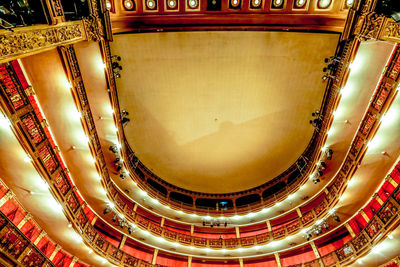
{"type": "Point", "coordinates": [199, 133]}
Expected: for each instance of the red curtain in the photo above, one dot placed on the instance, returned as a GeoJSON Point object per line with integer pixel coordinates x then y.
{"type": "Point", "coordinates": [13, 211]}
{"type": "Point", "coordinates": [298, 259]}
{"type": "Point", "coordinates": [170, 261]}
{"type": "Point", "coordinates": [252, 233]}
{"type": "Point", "coordinates": [260, 263]}
{"type": "Point", "coordinates": [140, 254]}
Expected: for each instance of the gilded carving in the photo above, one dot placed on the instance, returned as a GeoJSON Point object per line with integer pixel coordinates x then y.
{"type": "Point", "coordinates": [368, 27]}
{"type": "Point", "coordinates": [57, 8]}
{"type": "Point", "coordinates": [391, 31]}
{"type": "Point", "coordinates": [93, 28]}
{"type": "Point", "coordinates": [32, 39]}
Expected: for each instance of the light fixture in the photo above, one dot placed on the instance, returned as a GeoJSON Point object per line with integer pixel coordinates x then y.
{"type": "Point", "coordinates": [300, 3]}
{"type": "Point", "coordinates": [151, 4]}
{"type": "Point", "coordinates": [256, 3]}
{"type": "Point", "coordinates": [192, 3]}
{"type": "Point", "coordinates": [129, 5]}
{"type": "Point", "coordinates": [235, 3]}
{"type": "Point", "coordinates": [277, 3]}
{"type": "Point", "coordinates": [171, 3]}
{"type": "Point", "coordinates": [108, 5]}
{"type": "Point", "coordinates": [349, 3]}
{"type": "Point", "coordinates": [324, 3]}
{"type": "Point", "coordinates": [27, 158]}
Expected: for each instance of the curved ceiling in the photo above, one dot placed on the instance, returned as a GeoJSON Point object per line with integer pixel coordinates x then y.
{"type": "Point", "coordinates": [220, 112]}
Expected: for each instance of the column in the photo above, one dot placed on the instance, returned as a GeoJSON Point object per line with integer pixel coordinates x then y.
{"type": "Point", "coordinates": [24, 220]}
{"type": "Point", "coordinates": [74, 260]}
{"type": "Point", "coordinates": [278, 259]}
{"type": "Point", "coordinates": [299, 212]}
{"type": "Point", "coordinates": [58, 247]}
{"type": "Point", "coordinates": [241, 262]}
{"type": "Point", "coordinates": [350, 230]}
{"type": "Point", "coordinates": [378, 198]}
{"type": "Point", "coordinates": [41, 235]}
{"type": "Point", "coordinates": [190, 261]}
{"type": "Point", "coordinates": [237, 231]}
{"type": "Point", "coordinates": [362, 212]}
{"type": "Point", "coordinates": [154, 256]}
{"type": "Point", "coordinates": [392, 181]}
{"type": "Point", "coordinates": [162, 221]}
{"type": "Point", "coordinates": [191, 229]}
{"type": "Point", "coordinates": [122, 243]}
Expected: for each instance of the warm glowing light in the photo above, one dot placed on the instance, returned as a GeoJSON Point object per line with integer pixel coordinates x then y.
{"type": "Point", "coordinates": [192, 3]}
{"type": "Point", "coordinates": [118, 146]}
{"type": "Point", "coordinates": [155, 201]}
{"type": "Point", "coordinates": [324, 3]}
{"type": "Point", "coordinates": [110, 204]}
{"type": "Point", "coordinates": [375, 142]}
{"type": "Point", "coordinates": [356, 65]}
{"type": "Point", "coordinates": [331, 212]}
{"type": "Point", "coordinates": [390, 117]}
{"type": "Point", "coordinates": [108, 5]}
{"type": "Point", "coordinates": [291, 196]}
{"type": "Point", "coordinates": [390, 236]}
{"type": "Point", "coordinates": [346, 90]}
{"type": "Point", "coordinates": [4, 122]}
{"type": "Point", "coordinates": [27, 158]}
{"type": "Point", "coordinates": [251, 214]}
{"type": "Point", "coordinates": [143, 193]}
{"type": "Point", "coordinates": [42, 184]}
{"type": "Point", "coordinates": [67, 84]}
{"type": "Point", "coordinates": [69, 225]}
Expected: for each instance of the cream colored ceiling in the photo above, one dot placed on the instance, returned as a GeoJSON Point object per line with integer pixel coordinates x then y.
{"type": "Point", "coordinates": [220, 111]}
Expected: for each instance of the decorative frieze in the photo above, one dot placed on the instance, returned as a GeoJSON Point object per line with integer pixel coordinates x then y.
{"type": "Point", "coordinates": [30, 40]}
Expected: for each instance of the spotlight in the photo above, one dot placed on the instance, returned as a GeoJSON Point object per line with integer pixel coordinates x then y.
{"type": "Point", "coordinates": [325, 226]}
{"type": "Point", "coordinates": [115, 65]}
{"type": "Point", "coordinates": [204, 223]}
{"type": "Point", "coordinates": [315, 114]}
{"type": "Point", "coordinates": [124, 113]}
{"type": "Point", "coordinates": [329, 154]}
{"type": "Point", "coordinates": [116, 160]}
{"type": "Point", "coordinates": [336, 218]}
{"type": "Point", "coordinates": [323, 165]}
{"type": "Point", "coordinates": [119, 167]}
{"type": "Point", "coordinates": [125, 121]}
{"type": "Point", "coordinates": [115, 57]}
{"type": "Point", "coordinates": [117, 75]}
{"type": "Point", "coordinates": [113, 149]}
{"type": "Point", "coordinates": [320, 172]}
{"type": "Point", "coordinates": [122, 223]}
{"type": "Point", "coordinates": [130, 230]}
{"type": "Point", "coordinates": [122, 176]}
{"type": "Point", "coordinates": [308, 236]}
{"type": "Point", "coordinates": [316, 181]}
{"type": "Point", "coordinates": [226, 224]}
{"type": "Point", "coordinates": [114, 218]}
{"type": "Point", "coordinates": [107, 210]}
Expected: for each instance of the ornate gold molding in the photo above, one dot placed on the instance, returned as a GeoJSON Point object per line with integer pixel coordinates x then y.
{"type": "Point", "coordinates": [30, 40]}
{"type": "Point", "coordinates": [390, 31]}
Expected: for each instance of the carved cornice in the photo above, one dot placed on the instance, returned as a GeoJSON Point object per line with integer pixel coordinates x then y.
{"type": "Point", "coordinates": [30, 40]}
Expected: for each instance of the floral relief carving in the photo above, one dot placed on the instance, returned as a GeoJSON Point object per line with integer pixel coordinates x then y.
{"type": "Point", "coordinates": [391, 30]}
{"type": "Point", "coordinates": [27, 41]}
